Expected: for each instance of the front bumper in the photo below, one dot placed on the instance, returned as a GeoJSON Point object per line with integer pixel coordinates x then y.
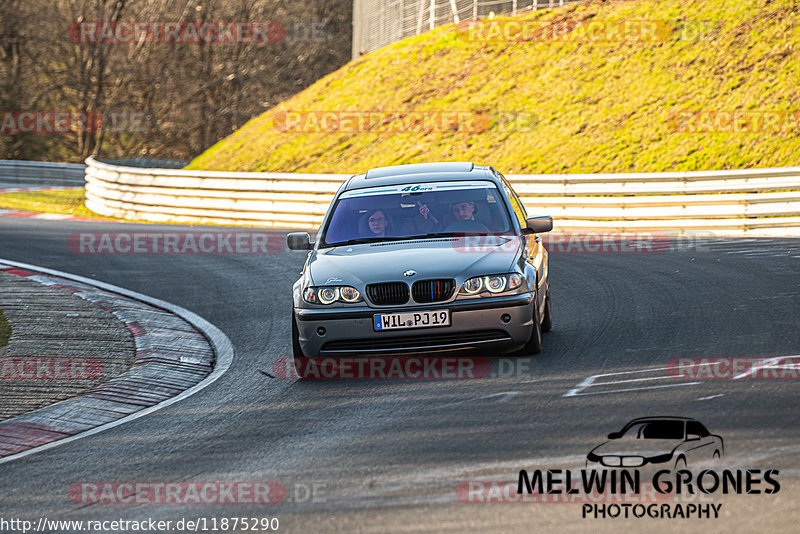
{"type": "Point", "coordinates": [475, 323]}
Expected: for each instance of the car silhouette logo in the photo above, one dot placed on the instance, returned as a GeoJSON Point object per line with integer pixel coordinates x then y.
{"type": "Point", "coordinates": [670, 441]}
{"type": "Point", "coordinates": [410, 273]}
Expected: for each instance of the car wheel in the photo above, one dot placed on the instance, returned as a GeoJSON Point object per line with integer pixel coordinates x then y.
{"type": "Point", "coordinates": [547, 322]}
{"type": "Point", "coordinates": [534, 344]}
{"type": "Point", "coordinates": [300, 360]}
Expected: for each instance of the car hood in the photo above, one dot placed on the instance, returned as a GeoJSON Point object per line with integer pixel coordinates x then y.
{"type": "Point", "coordinates": [458, 257]}
{"type": "Point", "coordinates": [637, 447]}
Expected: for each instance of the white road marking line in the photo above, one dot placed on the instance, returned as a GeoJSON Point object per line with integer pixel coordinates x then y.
{"type": "Point", "coordinates": [588, 382]}
{"type": "Point", "coordinates": [769, 363]}
{"type": "Point", "coordinates": [632, 380]}
{"type": "Point", "coordinates": [632, 372]}
{"type": "Point", "coordinates": [712, 397]}
{"type": "Point", "coordinates": [633, 389]}
{"type": "Point", "coordinates": [505, 396]}
{"type": "Point", "coordinates": [580, 387]}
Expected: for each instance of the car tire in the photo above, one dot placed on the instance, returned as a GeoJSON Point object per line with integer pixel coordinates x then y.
{"type": "Point", "coordinates": [547, 322]}
{"type": "Point", "coordinates": [534, 344]}
{"type": "Point", "coordinates": [299, 358]}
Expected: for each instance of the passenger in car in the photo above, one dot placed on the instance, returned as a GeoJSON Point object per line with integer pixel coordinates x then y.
{"type": "Point", "coordinates": [375, 223]}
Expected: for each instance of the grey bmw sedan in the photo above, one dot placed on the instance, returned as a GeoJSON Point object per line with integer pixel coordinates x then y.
{"type": "Point", "coordinates": [422, 258]}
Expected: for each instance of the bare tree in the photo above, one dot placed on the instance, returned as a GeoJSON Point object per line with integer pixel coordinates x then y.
{"type": "Point", "coordinates": [158, 99]}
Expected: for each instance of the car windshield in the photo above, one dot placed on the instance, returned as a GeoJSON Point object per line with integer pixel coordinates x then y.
{"type": "Point", "coordinates": [656, 430]}
{"type": "Point", "coordinates": [416, 210]}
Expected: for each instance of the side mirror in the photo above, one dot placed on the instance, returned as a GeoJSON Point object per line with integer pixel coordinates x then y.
{"type": "Point", "coordinates": [614, 435]}
{"type": "Point", "coordinates": [299, 241]}
{"type": "Point", "coordinates": [537, 225]}
{"type": "Point", "coordinates": [692, 437]}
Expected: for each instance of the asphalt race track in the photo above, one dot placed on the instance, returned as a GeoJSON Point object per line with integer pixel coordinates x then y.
{"type": "Point", "coordinates": [388, 455]}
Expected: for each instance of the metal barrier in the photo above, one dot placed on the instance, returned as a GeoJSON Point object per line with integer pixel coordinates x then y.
{"type": "Point", "coordinates": [13, 172]}
{"type": "Point", "coordinates": [148, 162]}
{"type": "Point", "coordinates": [739, 202]}
{"type": "Point", "coordinates": [377, 23]}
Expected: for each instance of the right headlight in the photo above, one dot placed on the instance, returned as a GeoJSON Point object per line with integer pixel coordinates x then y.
{"type": "Point", "coordinates": [492, 284]}
{"type": "Point", "coordinates": [330, 294]}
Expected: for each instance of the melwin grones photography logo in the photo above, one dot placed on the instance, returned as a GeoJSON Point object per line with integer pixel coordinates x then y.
{"type": "Point", "coordinates": [637, 469]}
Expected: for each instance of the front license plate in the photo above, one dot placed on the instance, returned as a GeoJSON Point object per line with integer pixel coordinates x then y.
{"type": "Point", "coordinates": [420, 319]}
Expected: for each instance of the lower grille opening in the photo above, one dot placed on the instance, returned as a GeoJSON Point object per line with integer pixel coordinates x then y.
{"type": "Point", "coordinates": [417, 342]}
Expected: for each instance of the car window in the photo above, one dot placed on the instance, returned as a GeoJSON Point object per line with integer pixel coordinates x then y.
{"type": "Point", "coordinates": [516, 204]}
{"type": "Point", "coordinates": [696, 427]}
{"type": "Point", "coordinates": [403, 211]}
{"type": "Point", "coordinates": [656, 430]}
{"type": "Point", "coordinates": [663, 430]}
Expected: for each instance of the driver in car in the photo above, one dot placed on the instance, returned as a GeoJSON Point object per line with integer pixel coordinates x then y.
{"type": "Point", "coordinates": [464, 215]}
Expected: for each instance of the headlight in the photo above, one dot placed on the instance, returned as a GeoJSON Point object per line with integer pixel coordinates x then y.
{"type": "Point", "coordinates": [349, 294]}
{"type": "Point", "coordinates": [473, 285]}
{"type": "Point", "coordinates": [493, 284]}
{"type": "Point", "coordinates": [330, 294]}
{"type": "Point", "coordinates": [310, 295]}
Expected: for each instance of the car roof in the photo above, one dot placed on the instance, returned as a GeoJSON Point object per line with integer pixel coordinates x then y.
{"type": "Point", "coordinates": [663, 418]}
{"type": "Point", "coordinates": [420, 173]}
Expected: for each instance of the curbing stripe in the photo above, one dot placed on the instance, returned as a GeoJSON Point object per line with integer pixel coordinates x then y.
{"type": "Point", "coordinates": [221, 346]}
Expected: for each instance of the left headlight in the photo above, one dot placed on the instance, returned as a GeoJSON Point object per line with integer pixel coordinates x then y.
{"type": "Point", "coordinates": [330, 294]}
{"type": "Point", "coordinates": [492, 284]}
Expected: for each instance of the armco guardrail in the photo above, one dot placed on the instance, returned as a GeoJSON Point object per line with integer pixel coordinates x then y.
{"type": "Point", "coordinates": [26, 173]}
{"type": "Point", "coordinates": [759, 201]}
{"type": "Point", "coordinates": [377, 23]}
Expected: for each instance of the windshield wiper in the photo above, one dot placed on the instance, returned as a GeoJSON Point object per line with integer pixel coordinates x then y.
{"type": "Point", "coordinates": [362, 240]}
{"type": "Point", "coordinates": [430, 235]}
{"type": "Point", "coordinates": [460, 234]}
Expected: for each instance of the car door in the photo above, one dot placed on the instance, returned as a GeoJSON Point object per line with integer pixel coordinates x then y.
{"type": "Point", "coordinates": [701, 448]}
{"type": "Point", "coordinates": [534, 252]}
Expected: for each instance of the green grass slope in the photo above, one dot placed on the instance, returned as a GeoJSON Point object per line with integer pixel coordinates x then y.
{"type": "Point", "coordinates": [606, 106]}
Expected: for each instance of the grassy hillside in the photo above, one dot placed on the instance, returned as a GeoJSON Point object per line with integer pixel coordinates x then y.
{"type": "Point", "coordinates": [605, 106]}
